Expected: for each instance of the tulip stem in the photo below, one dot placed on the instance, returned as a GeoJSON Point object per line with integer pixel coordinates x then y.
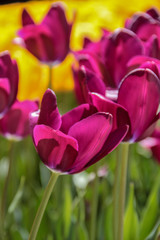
{"type": "Point", "coordinates": [5, 190]}
{"type": "Point", "coordinates": [116, 193]}
{"type": "Point", "coordinates": [50, 77]}
{"type": "Point", "coordinates": [42, 206]}
{"type": "Point", "coordinates": [94, 207]}
{"type": "Point", "coordinates": [120, 190]}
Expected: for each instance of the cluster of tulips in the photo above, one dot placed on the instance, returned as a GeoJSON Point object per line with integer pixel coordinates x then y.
{"type": "Point", "coordinates": [117, 85]}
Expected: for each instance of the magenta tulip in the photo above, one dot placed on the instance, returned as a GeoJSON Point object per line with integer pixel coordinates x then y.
{"type": "Point", "coordinates": [147, 27]}
{"type": "Point", "coordinates": [15, 124]}
{"type": "Point", "coordinates": [8, 82]}
{"type": "Point", "coordinates": [49, 40]}
{"type": "Point", "coordinates": [76, 140]}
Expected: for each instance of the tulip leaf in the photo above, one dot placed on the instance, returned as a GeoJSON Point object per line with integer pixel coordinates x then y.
{"type": "Point", "coordinates": [152, 235]}
{"type": "Point", "coordinates": [151, 210]}
{"type": "Point", "coordinates": [82, 232]}
{"type": "Point", "coordinates": [17, 196]}
{"type": "Point", "coordinates": [131, 222]}
{"type": "Point", "coordinates": [67, 210]}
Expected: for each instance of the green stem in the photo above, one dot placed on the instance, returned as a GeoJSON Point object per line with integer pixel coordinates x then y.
{"type": "Point", "coordinates": [94, 208]}
{"type": "Point", "coordinates": [116, 192]}
{"type": "Point", "coordinates": [5, 190]}
{"type": "Point", "coordinates": [50, 77]}
{"type": "Point", "coordinates": [42, 207]}
{"type": "Point", "coordinates": [122, 189]}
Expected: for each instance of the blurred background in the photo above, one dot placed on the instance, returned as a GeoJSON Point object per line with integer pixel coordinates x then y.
{"type": "Point", "coordinates": [70, 205]}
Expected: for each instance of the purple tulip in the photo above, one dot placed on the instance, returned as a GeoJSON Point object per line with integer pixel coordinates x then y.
{"type": "Point", "coordinates": [49, 40]}
{"type": "Point", "coordinates": [8, 82]}
{"type": "Point", "coordinates": [15, 124]}
{"type": "Point", "coordinates": [76, 140]}
{"type": "Point", "coordinates": [104, 71]}
{"type": "Point", "coordinates": [147, 28]}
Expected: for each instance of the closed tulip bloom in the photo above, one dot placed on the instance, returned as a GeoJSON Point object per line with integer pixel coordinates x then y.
{"type": "Point", "coordinates": [15, 124]}
{"type": "Point", "coordinates": [8, 82]}
{"type": "Point", "coordinates": [76, 140]}
{"type": "Point", "coordinates": [49, 40]}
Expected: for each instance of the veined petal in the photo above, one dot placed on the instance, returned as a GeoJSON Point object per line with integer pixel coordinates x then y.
{"type": "Point", "coordinates": [139, 94]}
{"type": "Point", "coordinates": [57, 150]}
{"type": "Point", "coordinates": [91, 134]}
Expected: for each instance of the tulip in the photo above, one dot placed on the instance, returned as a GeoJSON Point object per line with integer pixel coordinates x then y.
{"type": "Point", "coordinates": [49, 40]}
{"type": "Point", "coordinates": [15, 123]}
{"type": "Point", "coordinates": [8, 82]}
{"type": "Point", "coordinates": [72, 142]}
{"type": "Point", "coordinates": [146, 27]}
{"type": "Point", "coordinates": [107, 56]}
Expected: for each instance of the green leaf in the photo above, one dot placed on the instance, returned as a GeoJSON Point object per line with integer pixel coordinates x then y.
{"type": "Point", "coordinates": [152, 235]}
{"type": "Point", "coordinates": [131, 222]}
{"type": "Point", "coordinates": [82, 232]}
{"type": "Point", "coordinates": [67, 210]}
{"type": "Point", "coordinates": [18, 196]}
{"type": "Point", "coordinates": [150, 213]}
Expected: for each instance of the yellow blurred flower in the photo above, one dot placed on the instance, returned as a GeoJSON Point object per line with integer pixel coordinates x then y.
{"type": "Point", "coordinates": [91, 16]}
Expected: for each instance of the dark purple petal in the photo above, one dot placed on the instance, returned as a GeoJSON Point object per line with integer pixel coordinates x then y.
{"type": "Point", "coordinates": [113, 140]}
{"type": "Point", "coordinates": [80, 85]}
{"type": "Point", "coordinates": [91, 134]}
{"type": "Point", "coordinates": [76, 115]}
{"type": "Point", "coordinates": [56, 21]}
{"type": "Point", "coordinates": [15, 123]}
{"type": "Point", "coordinates": [57, 150]}
{"type": "Point", "coordinates": [49, 114]}
{"type": "Point", "coordinates": [139, 94]}
{"type": "Point", "coordinates": [153, 12]}
{"type": "Point", "coordinates": [113, 53]}
{"type": "Point", "coordinates": [87, 81]}
{"type": "Point", "coordinates": [119, 113]}
{"type": "Point", "coordinates": [26, 18]}
{"type": "Point", "coordinates": [152, 47]}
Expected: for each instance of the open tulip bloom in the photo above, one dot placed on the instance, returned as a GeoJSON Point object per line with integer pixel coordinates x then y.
{"type": "Point", "coordinates": [49, 40]}
{"type": "Point", "coordinates": [72, 142]}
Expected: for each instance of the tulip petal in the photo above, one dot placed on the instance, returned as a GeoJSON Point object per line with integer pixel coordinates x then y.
{"type": "Point", "coordinates": [49, 114]}
{"type": "Point", "coordinates": [15, 123]}
{"type": "Point", "coordinates": [9, 70]}
{"type": "Point", "coordinates": [76, 115]}
{"type": "Point", "coordinates": [26, 18]}
{"type": "Point", "coordinates": [135, 94]}
{"type": "Point", "coordinates": [110, 144]}
{"type": "Point", "coordinates": [57, 150]}
{"type": "Point", "coordinates": [120, 115]}
{"type": "Point", "coordinates": [113, 53]}
{"type": "Point", "coordinates": [91, 134]}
